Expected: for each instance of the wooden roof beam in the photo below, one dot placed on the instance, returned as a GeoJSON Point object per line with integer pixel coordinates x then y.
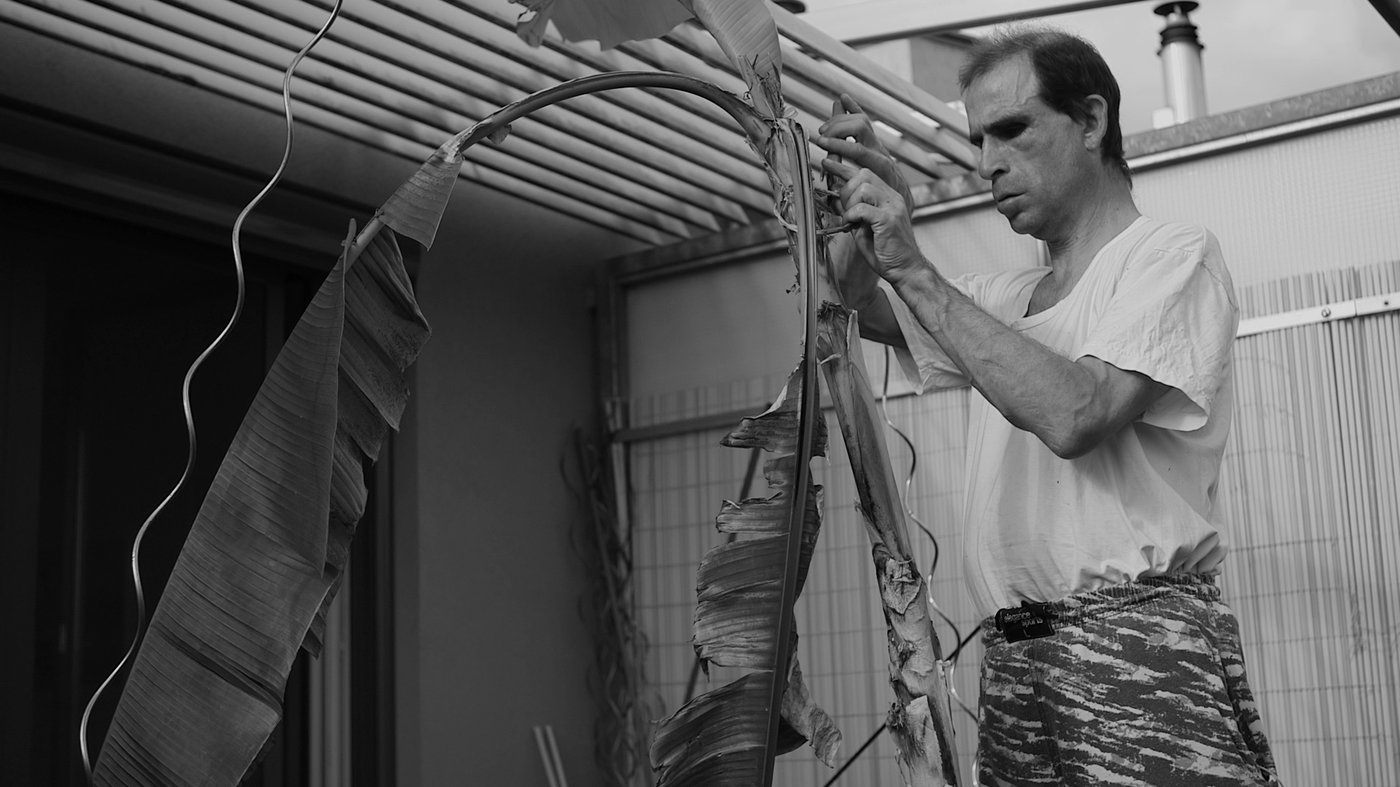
{"type": "Point", "coordinates": [802, 71]}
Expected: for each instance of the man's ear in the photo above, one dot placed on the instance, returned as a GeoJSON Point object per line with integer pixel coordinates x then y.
{"type": "Point", "coordinates": [1095, 121]}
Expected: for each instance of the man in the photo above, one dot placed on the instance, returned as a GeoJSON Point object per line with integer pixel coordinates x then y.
{"type": "Point", "coordinates": [1094, 448]}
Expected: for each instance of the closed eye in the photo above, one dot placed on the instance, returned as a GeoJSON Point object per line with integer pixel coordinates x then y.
{"type": "Point", "coordinates": [1004, 130]}
{"type": "Point", "coordinates": [1007, 130]}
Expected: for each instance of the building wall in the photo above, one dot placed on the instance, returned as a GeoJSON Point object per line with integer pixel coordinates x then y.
{"type": "Point", "coordinates": [1310, 203]}
{"type": "Point", "coordinates": [491, 640]}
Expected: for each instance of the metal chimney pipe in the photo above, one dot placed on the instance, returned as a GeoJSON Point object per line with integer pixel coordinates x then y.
{"type": "Point", "coordinates": [1181, 62]}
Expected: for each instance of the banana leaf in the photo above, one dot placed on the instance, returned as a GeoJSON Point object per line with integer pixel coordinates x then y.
{"type": "Point", "coordinates": [920, 722]}
{"type": "Point", "coordinates": [744, 29]}
{"type": "Point", "coordinates": [721, 736]}
{"type": "Point", "coordinates": [267, 550]}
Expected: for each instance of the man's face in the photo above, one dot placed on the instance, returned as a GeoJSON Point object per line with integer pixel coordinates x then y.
{"type": "Point", "coordinates": [1035, 157]}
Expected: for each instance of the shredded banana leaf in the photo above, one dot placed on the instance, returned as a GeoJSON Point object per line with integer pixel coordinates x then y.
{"type": "Point", "coordinates": [744, 29]}
{"type": "Point", "coordinates": [748, 35]}
{"type": "Point", "coordinates": [609, 22]}
{"type": "Point", "coordinates": [720, 737]}
{"type": "Point", "coordinates": [716, 738]}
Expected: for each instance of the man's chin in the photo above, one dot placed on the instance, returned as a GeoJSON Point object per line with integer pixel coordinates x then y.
{"type": "Point", "coordinates": [1020, 223]}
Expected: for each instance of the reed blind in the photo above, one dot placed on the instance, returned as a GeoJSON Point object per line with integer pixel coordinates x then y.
{"type": "Point", "coordinates": [1308, 494]}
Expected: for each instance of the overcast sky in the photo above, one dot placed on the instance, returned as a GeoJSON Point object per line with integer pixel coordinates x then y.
{"type": "Point", "coordinates": [1255, 50]}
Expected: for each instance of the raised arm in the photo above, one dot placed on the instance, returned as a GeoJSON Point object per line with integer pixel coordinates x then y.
{"type": "Point", "coordinates": [1071, 406]}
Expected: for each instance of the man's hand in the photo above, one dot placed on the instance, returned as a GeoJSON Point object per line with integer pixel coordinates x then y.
{"type": "Point", "coordinates": [884, 234]}
{"type": "Point", "coordinates": [849, 136]}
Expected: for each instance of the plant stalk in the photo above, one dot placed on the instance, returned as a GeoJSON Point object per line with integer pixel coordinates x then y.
{"type": "Point", "coordinates": [804, 211]}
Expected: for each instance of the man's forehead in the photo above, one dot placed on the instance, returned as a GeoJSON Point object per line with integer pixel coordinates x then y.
{"type": "Point", "coordinates": [1009, 86]}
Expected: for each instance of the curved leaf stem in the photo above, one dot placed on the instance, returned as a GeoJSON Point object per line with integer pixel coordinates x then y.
{"type": "Point", "coordinates": [756, 126]}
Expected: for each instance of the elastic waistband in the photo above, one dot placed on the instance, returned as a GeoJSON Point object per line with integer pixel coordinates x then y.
{"type": "Point", "coordinates": [1092, 604]}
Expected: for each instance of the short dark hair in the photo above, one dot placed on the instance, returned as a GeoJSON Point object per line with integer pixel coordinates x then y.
{"type": "Point", "coordinates": [1069, 69]}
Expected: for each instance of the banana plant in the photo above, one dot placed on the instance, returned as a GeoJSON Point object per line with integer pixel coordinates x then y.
{"type": "Point", "coordinates": [746, 588]}
{"type": "Point", "coordinates": [266, 552]}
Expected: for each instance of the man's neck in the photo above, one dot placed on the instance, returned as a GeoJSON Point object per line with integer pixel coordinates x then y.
{"type": "Point", "coordinates": [1104, 219]}
{"type": "Point", "coordinates": [1071, 254]}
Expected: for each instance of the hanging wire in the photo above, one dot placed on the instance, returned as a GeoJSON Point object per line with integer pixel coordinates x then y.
{"type": "Point", "coordinates": [949, 663]}
{"type": "Point", "coordinates": [189, 376]}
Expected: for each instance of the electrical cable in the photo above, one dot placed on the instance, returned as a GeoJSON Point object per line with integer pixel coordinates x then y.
{"type": "Point", "coordinates": [852, 759]}
{"type": "Point", "coordinates": [189, 376]}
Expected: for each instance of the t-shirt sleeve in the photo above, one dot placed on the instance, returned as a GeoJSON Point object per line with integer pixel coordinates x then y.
{"type": "Point", "coordinates": [1173, 318]}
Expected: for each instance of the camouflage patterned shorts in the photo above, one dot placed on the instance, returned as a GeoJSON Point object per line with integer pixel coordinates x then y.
{"type": "Point", "coordinates": [1140, 684]}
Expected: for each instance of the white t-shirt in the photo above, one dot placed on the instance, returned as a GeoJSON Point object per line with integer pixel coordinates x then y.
{"type": "Point", "coordinates": [1158, 300]}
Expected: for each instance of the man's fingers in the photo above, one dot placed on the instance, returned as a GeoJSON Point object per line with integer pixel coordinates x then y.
{"type": "Point", "coordinates": [839, 168]}
{"type": "Point", "coordinates": [864, 128]}
{"type": "Point", "coordinates": [849, 120]}
{"type": "Point", "coordinates": [852, 151]}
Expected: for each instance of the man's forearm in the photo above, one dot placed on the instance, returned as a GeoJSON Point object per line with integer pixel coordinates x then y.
{"type": "Point", "coordinates": [1036, 389]}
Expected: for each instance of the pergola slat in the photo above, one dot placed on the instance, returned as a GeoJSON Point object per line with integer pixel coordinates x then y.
{"type": "Point", "coordinates": [543, 166]}
{"type": "Point", "coordinates": [437, 101]}
{"type": "Point", "coordinates": [800, 32]}
{"type": "Point", "coordinates": [80, 34]}
{"type": "Point", "coordinates": [502, 80]}
{"type": "Point", "coordinates": [799, 66]}
{"type": "Point", "coordinates": [514, 64]}
{"type": "Point", "coordinates": [689, 115]}
{"type": "Point", "coordinates": [813, 105]}
{"type": "Point", "coordinates": [399, 76]}
{"type": "Point", "coordinates": [887, 109]}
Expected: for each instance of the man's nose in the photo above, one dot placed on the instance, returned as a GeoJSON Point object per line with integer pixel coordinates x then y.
{"type": "Point", "coordinates": [989, 160]}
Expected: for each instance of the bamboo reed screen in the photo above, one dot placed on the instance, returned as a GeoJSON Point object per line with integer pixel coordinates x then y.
{"type": "Point", "coordinates": [1308, 498]}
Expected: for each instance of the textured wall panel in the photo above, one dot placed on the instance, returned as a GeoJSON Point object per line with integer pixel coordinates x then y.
{"type": "Point", "coordinates": [1318, 202]}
